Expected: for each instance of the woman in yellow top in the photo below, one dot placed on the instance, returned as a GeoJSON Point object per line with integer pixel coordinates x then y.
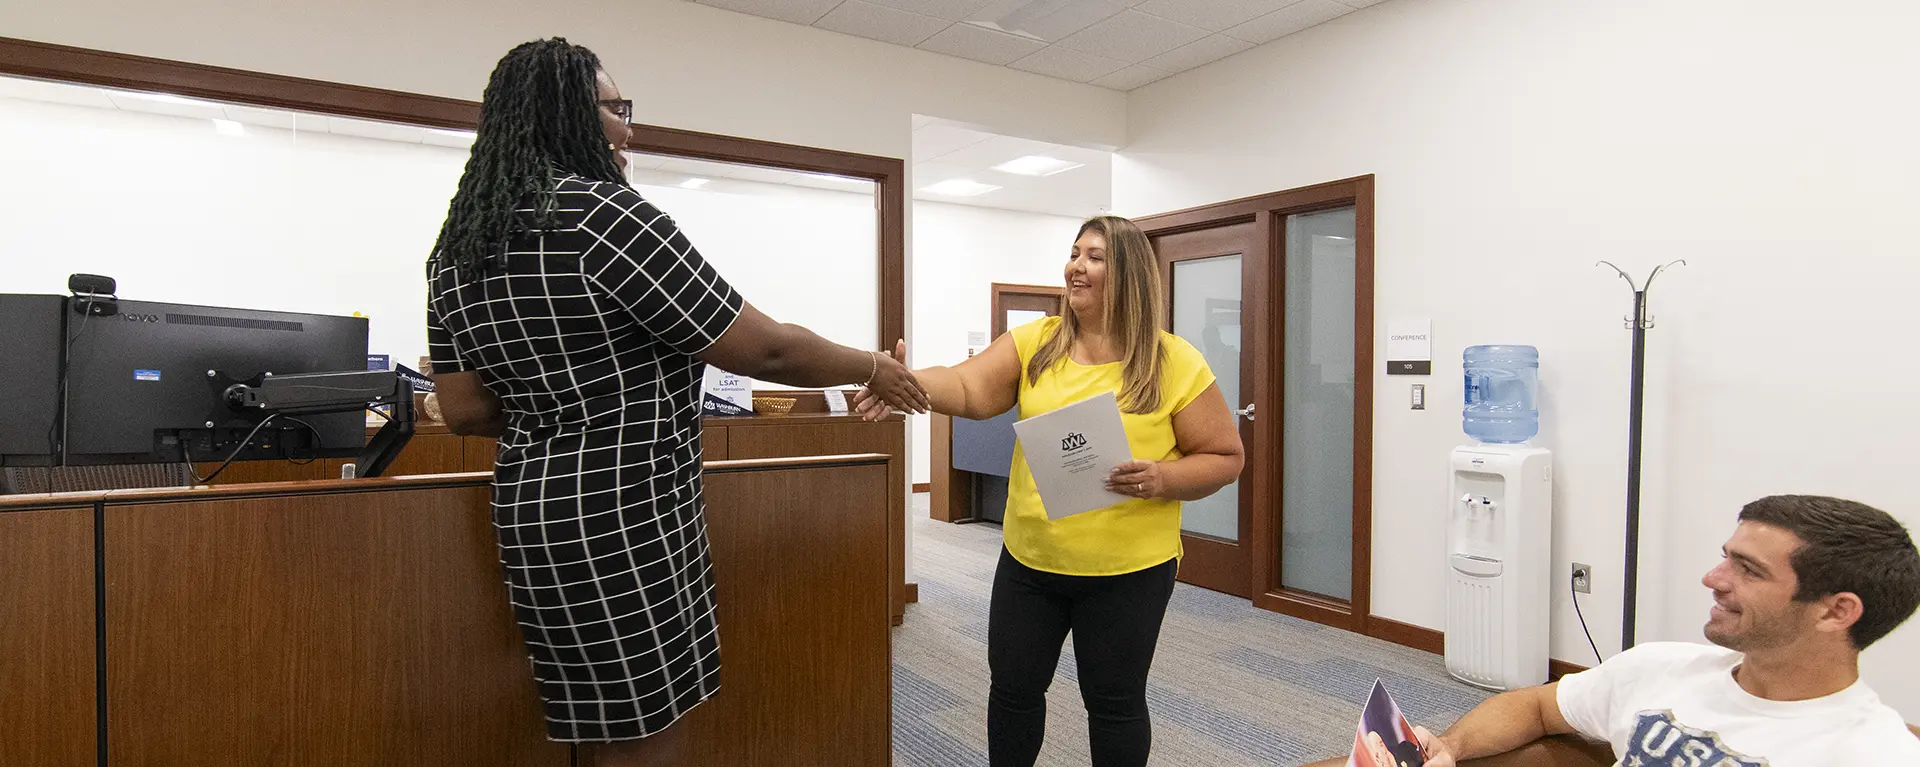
{"type": "Point", "coordinates": [1104, 575]}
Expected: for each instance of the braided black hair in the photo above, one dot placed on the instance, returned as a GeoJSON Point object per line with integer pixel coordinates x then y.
{"type": "Point", "coordinates": [540, 117]}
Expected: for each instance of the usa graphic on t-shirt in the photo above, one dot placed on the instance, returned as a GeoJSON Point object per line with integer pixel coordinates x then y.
{"type": "Point", "coordinates": [1659, 741]}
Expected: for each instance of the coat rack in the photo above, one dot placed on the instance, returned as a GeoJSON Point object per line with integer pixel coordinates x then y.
{"type": "Point", "coordinates": [1639, 322]}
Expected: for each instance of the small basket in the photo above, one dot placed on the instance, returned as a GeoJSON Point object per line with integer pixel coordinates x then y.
{"type": "Point", "coordinates": [773, 405]}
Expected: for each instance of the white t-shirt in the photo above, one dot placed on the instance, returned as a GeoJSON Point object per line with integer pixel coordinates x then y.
{"type": "Point", "coordinates": [1675, 704]}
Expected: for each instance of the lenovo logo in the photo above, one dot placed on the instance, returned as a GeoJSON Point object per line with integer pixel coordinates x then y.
{"type": "Point", "coordinates": [130, 317]}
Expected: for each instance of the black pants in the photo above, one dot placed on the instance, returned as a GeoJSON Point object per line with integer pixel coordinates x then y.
{"type": "Point", "coordinates": [1115, 622]}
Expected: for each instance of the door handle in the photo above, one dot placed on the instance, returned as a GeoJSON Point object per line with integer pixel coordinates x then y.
{"type": "Point", "coordinates": [1245, 412]}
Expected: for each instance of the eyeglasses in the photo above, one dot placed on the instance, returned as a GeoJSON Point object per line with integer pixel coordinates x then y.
{"type": "Point", "coordinates": [622, 108]}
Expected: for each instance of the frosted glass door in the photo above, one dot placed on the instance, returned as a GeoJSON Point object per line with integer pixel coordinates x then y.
{"type": "Point", "coordinates": [1206, 312]}
{"type": "Point", "coordinates": [1316, 480]}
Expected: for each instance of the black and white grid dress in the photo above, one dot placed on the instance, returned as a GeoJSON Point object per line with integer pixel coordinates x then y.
{"type": "Point", "coordinates": [587, 335]}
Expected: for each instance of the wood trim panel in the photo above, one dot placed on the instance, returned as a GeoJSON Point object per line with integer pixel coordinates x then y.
{"type": "Point", "coordinates": [46, 61]}
{"type": "Point", "coordinates": [27, 58]}
{"type": "Point", "coordinates": [1360, 195]}
{"type": "Point", "coordinates": [48, 679]}
{"type": "Point", "coordinates": [1558, 668]}
{"type": "Point", "coordinates": [922, 487]}
{"type": "Point", "coordinates": [235, 608]}
{"type": "Point", "coordinates": [1406, 634]}
{"type": "Point", "coordinates": [1306, 198]}
{"type": "Point", "coordinates": [803, 620]}
{"type": "Point", "coordinates": [850, 436]}
{"type": "Point", "coordinates": [950, 491]}
{"type": "Point", "coordinates": [1000, 291]}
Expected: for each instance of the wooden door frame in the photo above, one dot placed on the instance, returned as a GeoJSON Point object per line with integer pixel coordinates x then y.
{"type": "Point", "coordinates": [999, 319]}
{"type": "Point", "coordinates": [83, 66]}
{"type": "Point", "coordinates": [1269, 213]}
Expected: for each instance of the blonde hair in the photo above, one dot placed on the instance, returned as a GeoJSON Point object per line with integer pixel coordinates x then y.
{"type": "Point", "coordinates": [1134, 311]}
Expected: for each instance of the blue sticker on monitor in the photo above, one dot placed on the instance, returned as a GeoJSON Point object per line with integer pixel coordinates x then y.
{"type": "Point", "coordinates": [146, 375]}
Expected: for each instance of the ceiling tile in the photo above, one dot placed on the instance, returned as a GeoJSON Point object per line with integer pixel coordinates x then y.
{"type": "Point", "coordinates": [1068, 64]}
{"type": "Point", "coordinates": [797, 11]}
{"type": "Point", "coordinates": [1361, 3]}
{"type": "Point", "coordinates": [1133, 36]}
{"type": "Point", "coordinates": [1132, 77]}
{"type": "Point", "coordinates": [1215, 15]}
{"type": "Point", "coordinates": [1201, 53]}
{"type": "Point", "coordinates": [971, 42]}
{"type": "Point", "coordinates": [937, 140]}
{"type": "Point", "coordinates": [889, 25]}
{"type": "Point", "coordinates": [951, 10]}
{"type": "Point", "coordinates": [1288, 20]}
{"type": "Point", "coordinates": [1048, 20]}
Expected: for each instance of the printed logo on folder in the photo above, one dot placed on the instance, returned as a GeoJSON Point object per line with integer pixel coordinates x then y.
{"type": "Point", "coordinates": [1384, 738]}
{"type": "Point", "coordinates": [1073, 441]}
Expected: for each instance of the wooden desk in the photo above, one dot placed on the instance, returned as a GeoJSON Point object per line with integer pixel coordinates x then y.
{"type": "Point", "coordinates": [435, 450]}
{"type": "Point", "coordinates": [364, 622]}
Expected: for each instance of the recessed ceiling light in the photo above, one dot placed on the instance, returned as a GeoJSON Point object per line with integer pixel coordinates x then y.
{"type": "Point", "coordinates": [229, 128]}
{"type": "Point", "coordinates": [959, 187]}
{"type": "Point", "coordinates": [1036, 165]}
{"type": "Point", "coordinates": [694, 183]}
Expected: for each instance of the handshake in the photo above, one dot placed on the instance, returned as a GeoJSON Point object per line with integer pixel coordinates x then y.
{"type": "Point", "coordinates": [892, 387]}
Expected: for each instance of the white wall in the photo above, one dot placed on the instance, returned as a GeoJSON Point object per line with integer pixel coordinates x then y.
{"type": "Point", "coordinates": [959, 251]}
{"type": "Point", "coordinates": [312, 222]}
{"type": "Point", "coordinates": [1515, 142]}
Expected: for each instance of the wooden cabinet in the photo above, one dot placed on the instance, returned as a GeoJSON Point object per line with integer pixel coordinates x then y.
{"type": "Point", "coordinates": [789, 436]}
{"type": "Point", "coordinates": [48, 710]}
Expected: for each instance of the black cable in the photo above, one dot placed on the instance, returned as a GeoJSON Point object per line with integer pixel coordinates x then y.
{"type": "Point", "coordinates": [199, 480]}
{"type": "Point", "coordinates": [1583, 621]}
{"type": "Point", "coordinates": [318, 443]}
{"type": "Point", "coordinates": [66, 357]}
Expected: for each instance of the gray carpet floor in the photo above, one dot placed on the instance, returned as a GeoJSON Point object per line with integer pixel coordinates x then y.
{"type": "Point", "coordinates": [1231, 685]}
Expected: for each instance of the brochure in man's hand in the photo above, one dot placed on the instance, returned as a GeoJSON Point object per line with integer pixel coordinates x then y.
{"type": "Point", "coordinates": [1384, 738]}
{"type": "Point", "coordinates": [1072, 451]}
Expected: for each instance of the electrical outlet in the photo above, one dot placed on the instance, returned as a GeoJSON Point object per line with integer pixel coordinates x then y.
{"type": "Point", "coordinates": [1582, 578]}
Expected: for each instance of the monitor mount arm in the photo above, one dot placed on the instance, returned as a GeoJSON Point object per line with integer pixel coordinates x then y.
{"type": "Point", "coordinates": [324, 393]}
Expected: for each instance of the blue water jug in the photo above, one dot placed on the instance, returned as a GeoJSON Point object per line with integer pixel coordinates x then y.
{"type": "Point", "coordinates": [1501, 385]}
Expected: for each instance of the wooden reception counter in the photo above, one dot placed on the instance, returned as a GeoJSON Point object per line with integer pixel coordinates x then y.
{"type": "Point", "coordinates": [435, 450]}
{"type": "Point", "coordinates": [364, 622]}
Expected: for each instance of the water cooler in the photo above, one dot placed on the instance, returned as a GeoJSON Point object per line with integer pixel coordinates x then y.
{"type": "Point", "coordinates": [1499, 548]}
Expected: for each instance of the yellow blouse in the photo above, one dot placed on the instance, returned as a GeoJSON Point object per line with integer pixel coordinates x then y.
{"type": "Point", "coordinates": [1126, 537]}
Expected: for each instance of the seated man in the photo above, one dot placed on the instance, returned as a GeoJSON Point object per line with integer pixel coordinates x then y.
{"type": "Point", "coordinates": [1806, 584]}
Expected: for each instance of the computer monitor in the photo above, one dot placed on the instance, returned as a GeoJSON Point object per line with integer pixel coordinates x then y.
{"type": "Point", "coordinates": [30, 379]}
{"type": "Point", "coordinates": [149, 384]}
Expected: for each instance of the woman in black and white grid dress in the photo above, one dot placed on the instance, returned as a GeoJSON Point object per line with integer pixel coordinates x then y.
{"type": "Point", "coordinates": [570, 317]}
